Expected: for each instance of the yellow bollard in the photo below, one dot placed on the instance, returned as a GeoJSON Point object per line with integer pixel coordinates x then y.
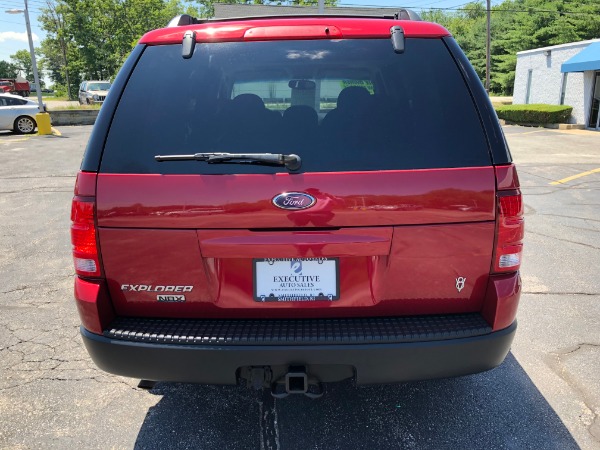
{"type": "Point", "coordinates": [43, 123]}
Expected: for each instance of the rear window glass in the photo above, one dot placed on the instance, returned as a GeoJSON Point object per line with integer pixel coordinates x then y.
{"type": "Point", "coordinates": [341, 105]}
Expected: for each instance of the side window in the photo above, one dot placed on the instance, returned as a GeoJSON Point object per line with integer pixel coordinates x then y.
{"type": "Point", "coordinates": [3, 102]}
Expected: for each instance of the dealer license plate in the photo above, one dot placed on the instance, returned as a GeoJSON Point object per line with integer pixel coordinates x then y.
{"type": "Point", "coordinates": [296, 279]}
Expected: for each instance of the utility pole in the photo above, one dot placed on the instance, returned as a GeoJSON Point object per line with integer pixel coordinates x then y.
{"type": "Point", "coordinates": [487, 48]}
{"type": "Point", "coordinates": [42, 118]}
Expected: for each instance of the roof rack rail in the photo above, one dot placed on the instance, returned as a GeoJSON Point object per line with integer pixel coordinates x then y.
{"type": "Point", "coordinates": [407, 14]}
{"type": "Point", "coordinates": [186, 19]}
{"type": "Point", "coordinates": [183, 20]}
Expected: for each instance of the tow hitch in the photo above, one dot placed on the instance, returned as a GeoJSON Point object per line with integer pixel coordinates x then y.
{"type": "Point", "coordinates": [297, 381]}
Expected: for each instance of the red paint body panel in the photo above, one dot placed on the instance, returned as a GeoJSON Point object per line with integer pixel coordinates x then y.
{"type": "Point", "coordinates": [412, 272]}
{"type": "Point", "coordinates": [502, 300]}
{"type": "Point", "coordinates": [93, 304]}
{"type": "Point", "coordinates": [426, 260]}
{"type": "Point", "coordinates": [507, 177]}
{"type": "Point", "coordinates": [402, 239]}
{"type": "Point", "coordinates": [297, 28]}
{"type": "Point", "coordinates": [85, 184]}
{"type": "Point", "coordinates": [357, 199]}
{"type": "Point", "coordinates": [344, 242]}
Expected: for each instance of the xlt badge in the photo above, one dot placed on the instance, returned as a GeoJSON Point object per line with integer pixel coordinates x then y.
{"type": "Point", "coordinates": [170, 298]}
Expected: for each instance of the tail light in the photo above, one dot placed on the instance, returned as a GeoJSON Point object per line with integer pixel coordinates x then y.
{"type": "Point", "coordinates": [83, 228]}
{"type": "Point", "coordinates": [511, 229]}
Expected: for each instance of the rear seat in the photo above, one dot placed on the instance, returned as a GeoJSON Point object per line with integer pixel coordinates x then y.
{"type": "Point", "coordinates": [350, 121]}
{"type": "Point", "coordinates": [300, 128]}
{"type": "Point", "coordinates": [248, 126]}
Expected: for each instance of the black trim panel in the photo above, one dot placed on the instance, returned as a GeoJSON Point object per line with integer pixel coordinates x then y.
{"type": "Point", "coordinates": [498, 145]}
{"type": "Point", "coordinates": [352, 330]}
{"type": "Point", "coordinates": [373, 363]}
{"type": "Point", "coordinates": [95, 147]}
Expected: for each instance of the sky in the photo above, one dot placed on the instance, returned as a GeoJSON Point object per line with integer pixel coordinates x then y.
{"type": "Point", "coordinates": [13, 34]}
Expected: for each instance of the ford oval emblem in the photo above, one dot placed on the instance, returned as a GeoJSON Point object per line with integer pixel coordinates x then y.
{"type": "Point", "coordinates": [294, 200]}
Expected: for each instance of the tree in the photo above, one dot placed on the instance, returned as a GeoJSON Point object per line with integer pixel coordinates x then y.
{"type": "Point", "coordinates": [55, 48]}
{"type": "Point", "coordinates": [7, 70]}
{"type": "Point", "coordinates": [517, 25]}
{"type": "Point", "coordinates": [22, 61]}
{"type": "Point", "coordinates": [90, 39]}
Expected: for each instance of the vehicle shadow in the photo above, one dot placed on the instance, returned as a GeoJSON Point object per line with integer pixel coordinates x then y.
{"type": "Point", "coordinates": [497, 409]}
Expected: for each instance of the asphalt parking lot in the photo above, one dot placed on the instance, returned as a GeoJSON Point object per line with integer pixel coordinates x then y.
{"type": "Point", "coordinates": [545, 396]}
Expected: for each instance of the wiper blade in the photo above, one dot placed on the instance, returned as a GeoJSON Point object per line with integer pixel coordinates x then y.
{"type": "Point", "coordinates": [291, 162]}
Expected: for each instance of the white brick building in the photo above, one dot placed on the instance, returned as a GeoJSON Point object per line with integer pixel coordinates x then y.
{"type": "Point", "coordinates": [566, 74]}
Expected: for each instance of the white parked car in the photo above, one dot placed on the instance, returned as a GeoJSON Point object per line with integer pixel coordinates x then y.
{"type": "Point", "coordinates": [17, 114]}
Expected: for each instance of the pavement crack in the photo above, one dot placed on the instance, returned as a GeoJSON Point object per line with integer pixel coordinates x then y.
{"type": "Point", "coordinates": [19, 289]}
{"type": "Point", "coordinates": [569, 217]}
{"type": "Point", "coordinates": [577, 347]}
{"type": "Point", "coordinates": [269, 430]}
{"type": "Point", "coordinates": [556, 363]}
{"type": "Point", "coordinates": [39, 177]}
{"type": "Point", "coordinates": [564, 240]}
{"type": "Point", "coordinates": [560, 293]}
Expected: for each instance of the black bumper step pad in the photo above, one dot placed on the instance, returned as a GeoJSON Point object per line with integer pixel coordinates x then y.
{"type": "Point", "coordinates": [368, 330]}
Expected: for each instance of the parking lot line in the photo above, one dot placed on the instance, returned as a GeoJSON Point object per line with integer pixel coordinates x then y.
{"type": "Point", "coordinates": [10, 141]}
{"type": "Point", "coordinates": [573, 177]}
{"type": "Point", "coordinates": [531, 132]}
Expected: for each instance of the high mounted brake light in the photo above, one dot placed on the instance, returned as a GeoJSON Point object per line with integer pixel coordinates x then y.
{"type": "Point", "coordinates": [83, 228]}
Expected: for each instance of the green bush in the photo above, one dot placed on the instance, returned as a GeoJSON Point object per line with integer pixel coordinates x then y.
{"type": "Point", "coordinates": [536, 113]}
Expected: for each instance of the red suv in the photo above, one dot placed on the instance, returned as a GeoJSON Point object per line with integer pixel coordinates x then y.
{"type": "Point", "coordinates": [312, 199]}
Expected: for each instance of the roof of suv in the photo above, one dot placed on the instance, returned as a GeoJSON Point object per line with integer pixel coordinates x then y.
{"type": "Point", "coordinates": [300, 27]}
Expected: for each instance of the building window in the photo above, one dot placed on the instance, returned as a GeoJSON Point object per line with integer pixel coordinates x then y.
{"type": "Point", "coordinates": [594, 121]}
{"type": "Point", "coordinates": [528, 92]}
{"type": "Point", "coordinates": [563, 88]}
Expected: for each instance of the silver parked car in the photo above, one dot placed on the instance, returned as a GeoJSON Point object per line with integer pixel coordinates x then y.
{"type": "Point", "coordinates": [17, 114]}
{"type": "Point", "coordinates": [91, 92]}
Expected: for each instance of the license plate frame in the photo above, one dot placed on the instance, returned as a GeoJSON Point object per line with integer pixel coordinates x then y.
{"type": "Point", "coordinates": [295, 275]}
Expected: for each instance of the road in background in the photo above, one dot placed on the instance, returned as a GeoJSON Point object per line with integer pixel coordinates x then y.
{"type": "Point", "coordinates": [545, 395]}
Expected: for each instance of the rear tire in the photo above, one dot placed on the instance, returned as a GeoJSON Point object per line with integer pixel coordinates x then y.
{"type": "Point", "coordinates": [24, 125]}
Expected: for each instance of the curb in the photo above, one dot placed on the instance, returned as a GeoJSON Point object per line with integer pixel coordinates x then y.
{"type": "Point", "coordinates": [553, 126]}
{"type": "Point", "coordinates": [74, 117]}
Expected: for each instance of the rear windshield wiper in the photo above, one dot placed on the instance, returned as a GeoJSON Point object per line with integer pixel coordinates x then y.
{"type": "Point", "coordinates": [291, 162]}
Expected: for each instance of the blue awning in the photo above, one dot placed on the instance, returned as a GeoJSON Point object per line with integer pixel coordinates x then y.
{"type": "Point", "coordinates": [586, 59]}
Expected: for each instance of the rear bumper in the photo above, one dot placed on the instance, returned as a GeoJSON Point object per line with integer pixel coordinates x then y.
{"type": "Point", "coordinates": [372, 363]}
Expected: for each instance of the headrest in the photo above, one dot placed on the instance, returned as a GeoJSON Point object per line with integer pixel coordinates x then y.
{"type": "Point", "coordinates": [300, 113]}
{"type": "Point", "coordinates": [352, 96]}
{"type": "Point", "coordinates": [248, 102]}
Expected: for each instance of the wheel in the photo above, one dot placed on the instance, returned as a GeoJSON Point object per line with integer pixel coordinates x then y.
{"type": "Point", "coordinates": [24, 125]}
{"type": "Point", "coordinates": [87, 100]}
